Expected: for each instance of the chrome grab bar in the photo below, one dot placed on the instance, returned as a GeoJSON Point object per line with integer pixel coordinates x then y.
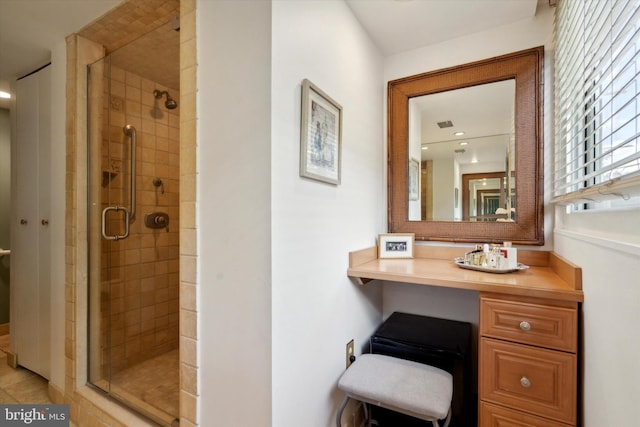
{"type": "Point", "coordinates": [126, 223]}
{"type": "Point", "coordinates": [129, 131]}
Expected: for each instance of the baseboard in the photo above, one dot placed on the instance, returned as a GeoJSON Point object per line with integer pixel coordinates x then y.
{"type": "Point", "coordinates": [55, 394]}
{"type": "Point", "coordinates": [12, 360]}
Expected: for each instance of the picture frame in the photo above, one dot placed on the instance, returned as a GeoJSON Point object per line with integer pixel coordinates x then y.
{"type": "Point", "coordinates": [414, 179]}
{"type": "Point", "coordinates": [396, 245]}
{"type": "Point", "coordinates": [320, 135]}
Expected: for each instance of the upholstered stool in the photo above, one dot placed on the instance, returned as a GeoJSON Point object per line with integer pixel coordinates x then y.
{"type": "Point", "coordinates": [411, 388]}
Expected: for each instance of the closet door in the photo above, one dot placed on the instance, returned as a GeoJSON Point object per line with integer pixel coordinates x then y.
{"type": "Point", "coordinates": [31, 255]}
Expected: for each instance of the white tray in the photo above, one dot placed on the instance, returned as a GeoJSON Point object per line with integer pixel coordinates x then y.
{"type": "Point", "coordinates": [460, 263]}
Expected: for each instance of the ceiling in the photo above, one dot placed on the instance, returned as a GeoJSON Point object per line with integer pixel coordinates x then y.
{"type": "Point", "coordinates": [148, 45]}
{"type": "Point", "coordinates": [155, 55]}
{"type": "Point", "coordinates": [30, 28]}
{"type": "Point", "coordinates": [400, 25]}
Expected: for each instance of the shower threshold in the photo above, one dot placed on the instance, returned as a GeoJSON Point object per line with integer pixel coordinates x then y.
{"type": "Point", "coordinates": [139, 405]}
{"type": "Point", "coordinates": [136, 404]}
{"type": "Point", "coordinates": [148, 386]}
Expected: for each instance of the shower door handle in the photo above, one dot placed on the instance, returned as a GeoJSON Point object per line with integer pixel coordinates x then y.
{"type": "Point", "coordinates": [129, 131]}
{"type": "Point", "coordinates": [104, 223]}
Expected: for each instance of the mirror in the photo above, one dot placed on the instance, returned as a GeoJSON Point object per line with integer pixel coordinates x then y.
{"type": "Point", "coordinates": [452, 133]}
{"type": "Point", "coordinates": [428, 197]}
{"type": "Point", "coordinates": [488, 197]}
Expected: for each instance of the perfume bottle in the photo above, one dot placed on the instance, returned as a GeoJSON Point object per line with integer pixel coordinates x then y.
{"type": "Point", "coordinates": [509, 255]}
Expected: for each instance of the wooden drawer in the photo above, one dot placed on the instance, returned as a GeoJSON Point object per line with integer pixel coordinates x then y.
{"type": "Point", "coordinates": [543, 325]}
{"type": "Point", "coordinates": [498, 416]}
{"type": "Point", "coordinates": [534, 380]}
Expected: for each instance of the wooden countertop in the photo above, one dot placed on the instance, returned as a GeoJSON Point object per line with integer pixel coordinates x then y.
{"type": "Point", "coordinates": [549, 276]}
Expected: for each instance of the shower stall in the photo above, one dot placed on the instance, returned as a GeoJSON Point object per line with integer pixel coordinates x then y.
{"type": "Point", "coordinates": [133, 184]}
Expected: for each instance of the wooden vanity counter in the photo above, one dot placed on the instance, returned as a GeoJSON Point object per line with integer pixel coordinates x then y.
{"type": "Point", "coordinates": [528, 350]}
{"type": "Point", "coordinates": [549, 276]}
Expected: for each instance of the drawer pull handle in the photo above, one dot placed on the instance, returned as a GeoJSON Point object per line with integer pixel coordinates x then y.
{"type": "Point", "coordinates": [524, 382]}
{"type": "Point", "coordinates": [525, 326]}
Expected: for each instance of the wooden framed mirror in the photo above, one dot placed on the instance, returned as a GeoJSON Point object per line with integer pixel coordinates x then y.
{"type": "Point", "coordinates": [523, 158]}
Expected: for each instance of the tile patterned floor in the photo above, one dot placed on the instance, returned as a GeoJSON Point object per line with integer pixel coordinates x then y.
{"type": "Point", "coordinates": [154, 381]}
{"type": "Point", "coordinates": [20, 385]}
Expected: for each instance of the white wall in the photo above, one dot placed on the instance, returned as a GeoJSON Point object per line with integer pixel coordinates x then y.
{"type": "Point", "coordinates": [275, 303]}
{"type": "Point", "coordinates": [234, 212]}
{"type": "Point", "coordinates": [316, 308]}
{"type": "Point", "coordinates": [607, 247]}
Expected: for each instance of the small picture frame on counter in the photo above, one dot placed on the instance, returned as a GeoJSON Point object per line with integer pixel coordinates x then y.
{"type": "Point", "coordinates": [396, 245]}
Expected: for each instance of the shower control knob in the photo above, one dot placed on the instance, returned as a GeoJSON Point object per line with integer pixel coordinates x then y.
{"type": "Point", "coordinates": [45, 222]}
{"type": "Point", "coordinates": [23, 221]}
{"type": "Point", "coordinates": [157, 220]}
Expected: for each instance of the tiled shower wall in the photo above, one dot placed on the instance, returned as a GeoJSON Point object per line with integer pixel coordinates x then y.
{"type": "Point", "coordinates": [140, 274]}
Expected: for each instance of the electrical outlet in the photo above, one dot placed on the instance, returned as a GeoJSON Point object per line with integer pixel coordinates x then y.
{"type": "Point", "coordinates": [350, 352]}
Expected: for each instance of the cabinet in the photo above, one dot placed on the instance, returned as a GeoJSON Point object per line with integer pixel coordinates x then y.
{"type": "Point", "coordinates": [527, 361]}
{"type": "Point", "coordinates": [30, 239]}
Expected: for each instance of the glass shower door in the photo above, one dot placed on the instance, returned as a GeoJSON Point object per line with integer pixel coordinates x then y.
{"type": "Point", "coordinates": [133, 266]}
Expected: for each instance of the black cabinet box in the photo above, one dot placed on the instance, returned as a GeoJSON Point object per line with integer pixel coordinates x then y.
{"type": "Point", "coordinates": [442, 343]}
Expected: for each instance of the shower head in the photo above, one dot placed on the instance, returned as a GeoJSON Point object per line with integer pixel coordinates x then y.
{"type": "Point", "coordinates": [170, 103]}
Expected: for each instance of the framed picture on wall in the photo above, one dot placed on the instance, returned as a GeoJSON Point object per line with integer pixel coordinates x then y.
{"type": "Point", "coordinates": [414, 179]}
{"type": "Point", "coordinates": [396, 245]}
{"type": "Point", "coordinates": [320, 135]}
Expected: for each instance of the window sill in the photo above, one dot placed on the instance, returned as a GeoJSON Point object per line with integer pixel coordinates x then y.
{"type": "Point", "coordinates": [624, 189]}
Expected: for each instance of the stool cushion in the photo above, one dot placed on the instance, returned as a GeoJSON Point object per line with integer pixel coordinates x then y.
{"type": "Point", "coordinates": [412, 388]}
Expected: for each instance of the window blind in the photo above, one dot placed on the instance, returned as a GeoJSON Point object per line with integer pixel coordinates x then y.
{"type": "Point", "coordinates": [597, 66]}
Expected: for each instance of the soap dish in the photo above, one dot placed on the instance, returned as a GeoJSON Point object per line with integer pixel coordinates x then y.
{"type": "Point", "coordinates": [460, 263]}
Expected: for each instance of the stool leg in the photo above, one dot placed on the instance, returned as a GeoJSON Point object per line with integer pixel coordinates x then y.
{"type": "Point", "coordinates": [367, 420]}
{"type": "Point", "coordinates": [446, 423]}
{"type": "Point", "coordinates": [341, 410]}
{"type": "Point", "coordinates": [368, 417]}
